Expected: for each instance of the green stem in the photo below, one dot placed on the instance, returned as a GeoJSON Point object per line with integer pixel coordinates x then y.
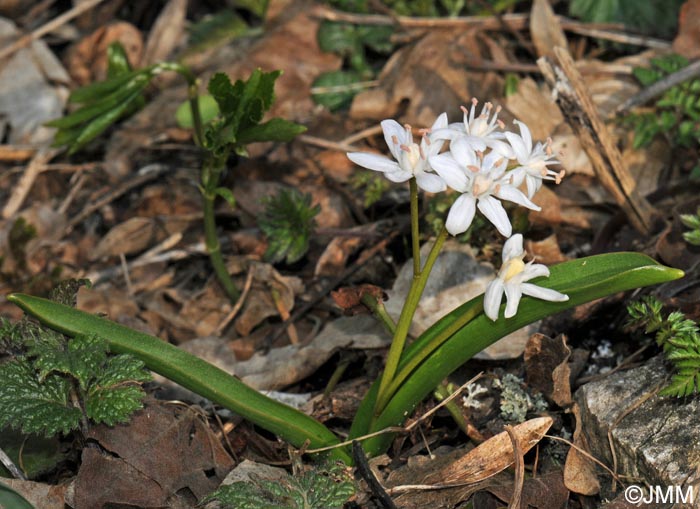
{"type": "Point", "coordinates": [187, 370]}
{"type": "Point", "coordinates": [376, 306]}
{"type": "Point", "coordinates": [192, 94]}
{"type": "Point", "coordinates": [415, 233]}
{"type": "Point", "coordinates": [211, 172]}
{"type": "Point", "coordinates": [404, 324]}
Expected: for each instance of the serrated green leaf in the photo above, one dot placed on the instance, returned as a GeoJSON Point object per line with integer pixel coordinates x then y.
{"type": "Point", "coordinates": [112, 405]}
{"type": "Point", "coordinates": [337, 37]}
{"type": "Point", "coordinates": [227, 195]}
{"type": "Point", "coordinates": [33, 405]}
{"type": "Point", "coordinates": [82, 358]}
{"type": "Point", "coordinates": [276, 129]}
{"type": "Point", "coordinates": [287, 221]}
{"type": "Point", "coordinates": [376, 37]}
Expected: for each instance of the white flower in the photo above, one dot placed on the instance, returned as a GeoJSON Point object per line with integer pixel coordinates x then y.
{"type": "Point", "coordinates": [481, 181]}
{"type": "Point", "coordinates": [479, 131]}
{"type": "Point", "coordinates": [512, 279]}
{"type": "Point", "coordinates": [533, 161]}
{"type": "Point", "coordinates": [411, 159]}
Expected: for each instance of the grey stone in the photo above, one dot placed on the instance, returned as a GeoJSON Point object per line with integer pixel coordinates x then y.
{"type": "Point", "coordinates": [656, 439]}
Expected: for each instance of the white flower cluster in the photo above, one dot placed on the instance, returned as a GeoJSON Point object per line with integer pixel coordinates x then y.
{"type": "Point", "coordinates": [485, 164]}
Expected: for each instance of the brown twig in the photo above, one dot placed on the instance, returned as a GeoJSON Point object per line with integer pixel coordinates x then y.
{"type": "Point", "coordinates": [363, 468]}
{"type": "Point", "coordinates": [21, 190]}
{"type": "Point", "coordinates": [55, 23]}
{"type": "Point", "coordinates": [578, 108]}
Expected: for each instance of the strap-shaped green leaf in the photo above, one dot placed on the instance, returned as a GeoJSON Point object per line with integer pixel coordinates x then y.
{"type": "Point", "coordinates": [583, 280]}
{"type": "Point", "coordinates": [9, 498]}
{"type": "Point", "coordinates": [187, 370]}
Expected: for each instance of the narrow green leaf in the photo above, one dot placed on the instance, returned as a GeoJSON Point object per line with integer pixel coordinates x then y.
{"type": "Point", "coordinates": [582, 280]}
{"type": "Point", "coordinates": [187, 370]}
{"type": "Point", "coordinates": [96, 91]}
{"type": "Point", "coordinates": [117, 60]}
{"type": "Point", "coordinates": [276, 129]}
{"type": "Point", "coordinates": [227, 195]}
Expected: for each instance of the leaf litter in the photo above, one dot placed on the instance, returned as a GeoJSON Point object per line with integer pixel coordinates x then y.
{"type": "Point", "coordinates": [171, 455]}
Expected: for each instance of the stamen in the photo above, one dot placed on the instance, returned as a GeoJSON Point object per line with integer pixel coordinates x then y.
{"type": "Point", "coordinates": [501, 124]}
{"type": "Point", "coordinates": [497, 189]}
{"type": "Point", "coordinates": [394, 140]}
{"type": "Point", "coordinates": [464, 109]}
{"type": "Point", "coordinates": [473, 169]}
{"type": "Point", "coordinates": [560, 176]}
{"type": "Point", "coordinates": [498, 109]}
{"type": "Point", "coordinates": [405, 148]}
{"type": "Point", "coordinates": [475, 101]}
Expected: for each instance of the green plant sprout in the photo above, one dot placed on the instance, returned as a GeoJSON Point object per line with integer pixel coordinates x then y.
{"type": "Point", "coordinates": [53, 384]}
{"type": "Point", "coordinates": [678, 336]}
{"type": "Point", "coordinates": [692, 221]}
{"type": "Point", "coordinates": [232, 119]}
{"type": "Point", "coordinates": [484, 164]}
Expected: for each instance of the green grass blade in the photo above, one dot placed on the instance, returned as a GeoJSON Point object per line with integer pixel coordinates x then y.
{"type": "Point", "coordinates": [187, 370]}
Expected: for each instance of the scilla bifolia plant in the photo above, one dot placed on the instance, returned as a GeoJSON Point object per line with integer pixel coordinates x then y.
{"type": "Point", "coordinates": [485, 165]}
{"type": "Point", "coordinates": [225, 121]}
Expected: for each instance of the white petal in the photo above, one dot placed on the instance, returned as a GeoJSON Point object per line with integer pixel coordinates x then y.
{"type": "Point", "coordinates": [533, 270]}
{"type": "Point", "coordinates": [513, 295]}
{"type": "Point", "coordinates": [476, 142]}
{"type": "Point", "coordinates": [543, 293]}
{"type": "Point", "coordinates": [392, 128]}
{"type": "Point", "coordinates": [374, 162]}
{"type": "Point", "coordinates": [440, 122]}
{"type": "Point", "coordinates": [525, 134]}
{"type": "Point", "coordinates": [450, 171]}
{"type": "Point", "coordinates": [430, 182]}
{"type": "Point", "coordinates": [495, 164]}
{"type": "Point", "coordinates": [492, 298]}
{"type": "Point", "coordinates": [510, 193]}
{"type": "Point", "coordinates": [513, 248]}
{"type": "Point", "coordinates": [461, 214]}
{"type": "Point", "coordinates": [533, 185]}
{"type": "Point", "coordinates": [494, 212]}
{"type": "Point", "coordinates": [521, 152]}
{"type": "Point", "coordinates": [501, 147]}
{"type": "Point", "coordinates": [463, 152]}
{"type": "Point", "coordinates": [447, 133]}
{"type": "Point", "coordinates": [398, 176]}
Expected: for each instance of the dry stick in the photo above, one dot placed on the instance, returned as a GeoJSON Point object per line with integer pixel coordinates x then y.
{"type": "Point", "coordinates": [519, 469]}
{"type": "Point", "coordinates": [327, 144]}
{"type": "Point", "coordinates": [363, 468]}
{"type": "Point", "coordinates": [586, 454]}
{"type": "Point", "coordinates": [239, 303]}
{"type": "Point", "coordinates": [578, 108]}
{"type": "Point", "coordinates": [607, 31]}
{"type": "Point", "coordinates": [21, 190]}
{"type": "Point", "coordinates": [146, 174]}
{"type": "Point", "coordinates": [658, 88]}
{"type": "Point", "coordinates": [48, 27]}
{"type": "Point", "coordinates": [11, 467]}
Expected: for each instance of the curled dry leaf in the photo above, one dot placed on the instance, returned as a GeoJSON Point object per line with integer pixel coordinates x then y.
{"type": "Point", "coordinates": [493, 456]}
{"type": "Point", "coordinates": [579, 471]}
{"type": "Point", "coordinates": [547, 368]}
{"type": "Point", "coordinates": [87, 59]}
{"type": "Point", "coordinates": [131, 236]}
{"type": "Point", "coordinates": [350, 298]}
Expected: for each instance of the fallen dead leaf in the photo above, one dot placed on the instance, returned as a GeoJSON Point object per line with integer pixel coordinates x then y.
{"type": "Point", "coordinates": [547, 368]}
{"type": "Point", "coordinates": [86, 60]}
{"type": "Point", "coordinates": [579, 471]}
{"type": "Point", "coordinates": [164, 456]}
{"type": "Point", "coordinates": [349, 298]}
{"type": "Point", "coordinates": [335, 256]}
{"type": "Point", "coordinates": [40, 495]}
{"type": "Point", "coordinates": [130, 237]}
{"type": "Point", "coordinates": [493, 456]}
{"type": "Point", "coordinates": [166, 33]}
{"type": "Point", "coordinates": [687, 42]}
{"type": "Point", "coordinates": [545, 491]}
{"type": "Point", "coordinates": [545, 30]}
{"type": "Point", "coordinates": [545, 251]}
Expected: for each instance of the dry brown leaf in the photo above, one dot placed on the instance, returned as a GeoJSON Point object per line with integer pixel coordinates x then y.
{"type": "Point", "coordinates": [427, 78]}
{"type": "Point", "coordinates": [545, 491]}
{"type": "Point", "coordinates": [687, 42]}
{"type": "Point", "coordinates": [334, 258]}
{"type": "Point", "coordinates": [545, 251]}
{"type": "Point", "coordinates": [533, 105]}
{"type": "Point", "coordinates": [164, 452]}
{"type": "Point", "coordinates": [40, 495]}
{"type": "Point", "coordinates": [167, 32]}
{"type": "Point", "coordinates": [132, 236]}
{"type": "Point", "coordinates": [349, 298]}
{"type": "Point", "coordinates": [545, 30]}
{"type": "Point", "coordinates": [547, 368]}
{"type": "Point", "coordinates": [87, 59]}
{"type": "Point", "coordinates": [579, 471]}
{"type": "Point", "coordinates": [493, 456]}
